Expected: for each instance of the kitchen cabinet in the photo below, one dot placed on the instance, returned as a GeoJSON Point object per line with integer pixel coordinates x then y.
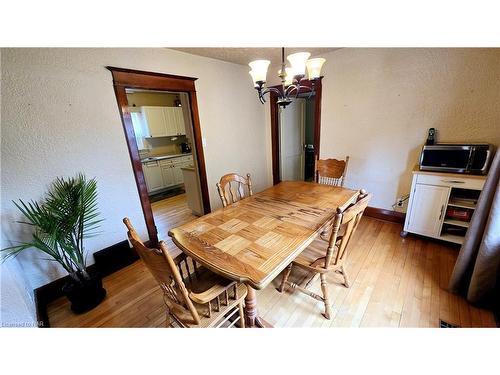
{"type": "Point", "coordinates": [179, 120]}
{"type": "Point", "coordinates": [177, 173]}
{"type": "Point", "coordinates": [164, 121]}
{"type": "Point", "coordinates": [165, 173]}
{"type": "Point", "coordinates": [177, 169]}
{"type": "Point", "coordinates": [429, 203]}
{"type": "Point", "coordinates": [155, 121]}
{"type": "Point", "coordinates": [433, 198]}
{"type": "Point", "coordinates": [153, 176]}
{"type": "Point", "coordinates": [174, 120]}
{"type": "Point", "coordinates": [167, 176]}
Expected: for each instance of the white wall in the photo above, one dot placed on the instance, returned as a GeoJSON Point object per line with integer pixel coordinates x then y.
{"type": "Point", "coordinates": [378, 104]}
{"type": "Point", "coordinates": [60, 116]}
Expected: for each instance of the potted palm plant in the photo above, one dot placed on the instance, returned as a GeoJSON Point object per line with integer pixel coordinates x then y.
{"type": "Point", "coordinates": [61, 221]}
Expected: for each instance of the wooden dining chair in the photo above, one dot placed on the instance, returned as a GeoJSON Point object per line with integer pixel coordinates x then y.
{"type": "Point", "coordinates": [317, 260]}
{"type": "Point", "coordinates": [330, 171]}
{"type": "Point", "coordinates": [194, 296]}
{"type": "Point", "coordinates": [231, 188]}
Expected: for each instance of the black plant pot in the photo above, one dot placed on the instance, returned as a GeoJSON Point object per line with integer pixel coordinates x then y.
{"type": "Point", "coordinates": [86, 295]}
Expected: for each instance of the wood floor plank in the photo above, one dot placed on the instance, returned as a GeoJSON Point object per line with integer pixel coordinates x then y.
{"type": "Point", "coordinates": [394, 282]}
{"type": "Point", "coordinates": [435, 290]}
{"type": "Point", "coordinates": [379, 311]}
{"type": "Point", "coordinates": [444, 296]}
{"type": "Point", "coordinates": [414, 310]}
{"type": "Point", "coordinates": [359, 253]}
{"type": "Point", "coordinates": [364, 283]}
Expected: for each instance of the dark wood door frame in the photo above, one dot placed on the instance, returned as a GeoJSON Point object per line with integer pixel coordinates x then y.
{"type": "Point", "coordinates": [136, 79]}
{"type": "Point", "coordinates": [275, 126]}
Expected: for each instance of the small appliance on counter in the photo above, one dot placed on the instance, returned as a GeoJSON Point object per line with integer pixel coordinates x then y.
{"type": "Point", "coordinates": [185, 148]}
{"type": "Point", "coordinates": [456, 158]}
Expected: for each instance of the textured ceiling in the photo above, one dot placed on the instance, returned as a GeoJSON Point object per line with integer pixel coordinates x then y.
{"type": "Point", "coordinates": [244, 55]}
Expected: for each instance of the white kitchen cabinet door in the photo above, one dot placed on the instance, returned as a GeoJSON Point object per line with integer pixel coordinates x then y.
{"type": "Point", "coordinates": [153, 176]}
{"type": "Point", "coordinates": [167, 173]}
{"type": "Point", "coordinates": [179, 121]}
{"type": "Point", "coordinates": [428, 209]}
{"type": "Point", "coordinates": [177, 173]}
{"type": "Point", "coordinates": [170, 121]}
{"type": "Point", "coordinates": [155, 119]}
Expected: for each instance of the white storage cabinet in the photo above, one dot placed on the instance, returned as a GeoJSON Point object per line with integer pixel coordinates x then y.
{"type": "Point", "coordinates": [431, 195]}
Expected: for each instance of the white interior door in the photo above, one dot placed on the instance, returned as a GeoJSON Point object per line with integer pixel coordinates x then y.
{"type": "Point", "coordinates": [292, 123]}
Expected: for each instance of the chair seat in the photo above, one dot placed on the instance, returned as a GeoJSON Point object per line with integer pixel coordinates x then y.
{"type": "Point", "coordinates": [206, 285]}
{"type": "Point", "coordinates": [313, 257]}
{"type": "Point", "coordinates": [216, 316]}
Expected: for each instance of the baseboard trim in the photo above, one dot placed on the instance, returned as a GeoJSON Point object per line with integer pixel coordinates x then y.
{"type": "Point", "coordinates": [387, 215]}
{"type": "Point", "coordinates": [107, 261]}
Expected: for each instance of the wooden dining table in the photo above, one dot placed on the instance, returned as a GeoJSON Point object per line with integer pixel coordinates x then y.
{"type": "Point", "coordinates": [253, 240]}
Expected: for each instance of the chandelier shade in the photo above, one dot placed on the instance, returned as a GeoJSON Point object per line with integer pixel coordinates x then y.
{"type": "Point", "coordinates": [259, 70]}
{"type": "Point", "coordinates": [314, 67]}
{"type": "Point", "coordinates": [291, 77]}
{"type": "Point", "coordinates": [255, 78]}
{"type": "Point", "coordinates": [298, 61]}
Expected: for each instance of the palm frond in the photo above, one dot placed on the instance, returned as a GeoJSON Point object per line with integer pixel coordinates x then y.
{"type": "Point", "coordinates": [68, 214]}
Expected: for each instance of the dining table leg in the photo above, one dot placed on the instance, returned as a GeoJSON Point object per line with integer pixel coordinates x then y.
{"type": "Point", "coordinates": [252, 318]}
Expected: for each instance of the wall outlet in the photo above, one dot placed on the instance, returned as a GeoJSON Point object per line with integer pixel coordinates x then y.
{"type": "Point", "coordinates": [401, 200]}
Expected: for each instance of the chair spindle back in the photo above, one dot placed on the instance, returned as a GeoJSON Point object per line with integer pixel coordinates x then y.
{"type": "Point", "coordinates": [165, 271]}
{"type": "Point", "coordinates": [231, 188]}
{"type": "Point", "coordinates": [330, 171]}
{"type": "Point", "coordinates": [349, 219]}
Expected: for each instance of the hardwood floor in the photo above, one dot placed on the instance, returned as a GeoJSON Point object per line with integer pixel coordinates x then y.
{"type": "Point", "coordinates": [395, 282]}
{"type": "Point", "coordinates": [170, 213]}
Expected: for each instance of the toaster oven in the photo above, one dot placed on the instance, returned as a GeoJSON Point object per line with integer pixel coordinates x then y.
{"type": "Point", "coordinates": [456, 158]}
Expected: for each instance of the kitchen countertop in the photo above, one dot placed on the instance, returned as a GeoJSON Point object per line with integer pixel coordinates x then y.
{"type": "Point", "coordinates": [155, 158]}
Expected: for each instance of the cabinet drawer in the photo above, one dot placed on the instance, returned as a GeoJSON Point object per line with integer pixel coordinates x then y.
{"type": "Point", "coordinates": [165, 162]}
{"type": "Point", "coordinates": [150, 164]}
{"type": "Point", "coordinates": [182, 159]}
{"type": "Point", "coordinates": [452, 181]}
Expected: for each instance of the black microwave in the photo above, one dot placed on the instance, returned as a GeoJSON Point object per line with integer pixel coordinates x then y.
{"type": "Point", "coordinates": [456, 158]}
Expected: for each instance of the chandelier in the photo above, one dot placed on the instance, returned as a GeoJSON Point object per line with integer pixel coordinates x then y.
{"type": "Point", "coordinates": [291, 77]}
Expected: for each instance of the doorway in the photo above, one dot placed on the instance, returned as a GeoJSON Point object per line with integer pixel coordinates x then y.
{"type": "Point", "coordinates": [160, 119]}
{"type": "Point", "coordinates": [295, 136]}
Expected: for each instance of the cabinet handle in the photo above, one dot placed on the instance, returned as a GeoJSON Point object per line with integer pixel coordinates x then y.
{"type": "Point", "coordinates": [441, 213]}
{"type": "Point", "coordinates": [453, 181]}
